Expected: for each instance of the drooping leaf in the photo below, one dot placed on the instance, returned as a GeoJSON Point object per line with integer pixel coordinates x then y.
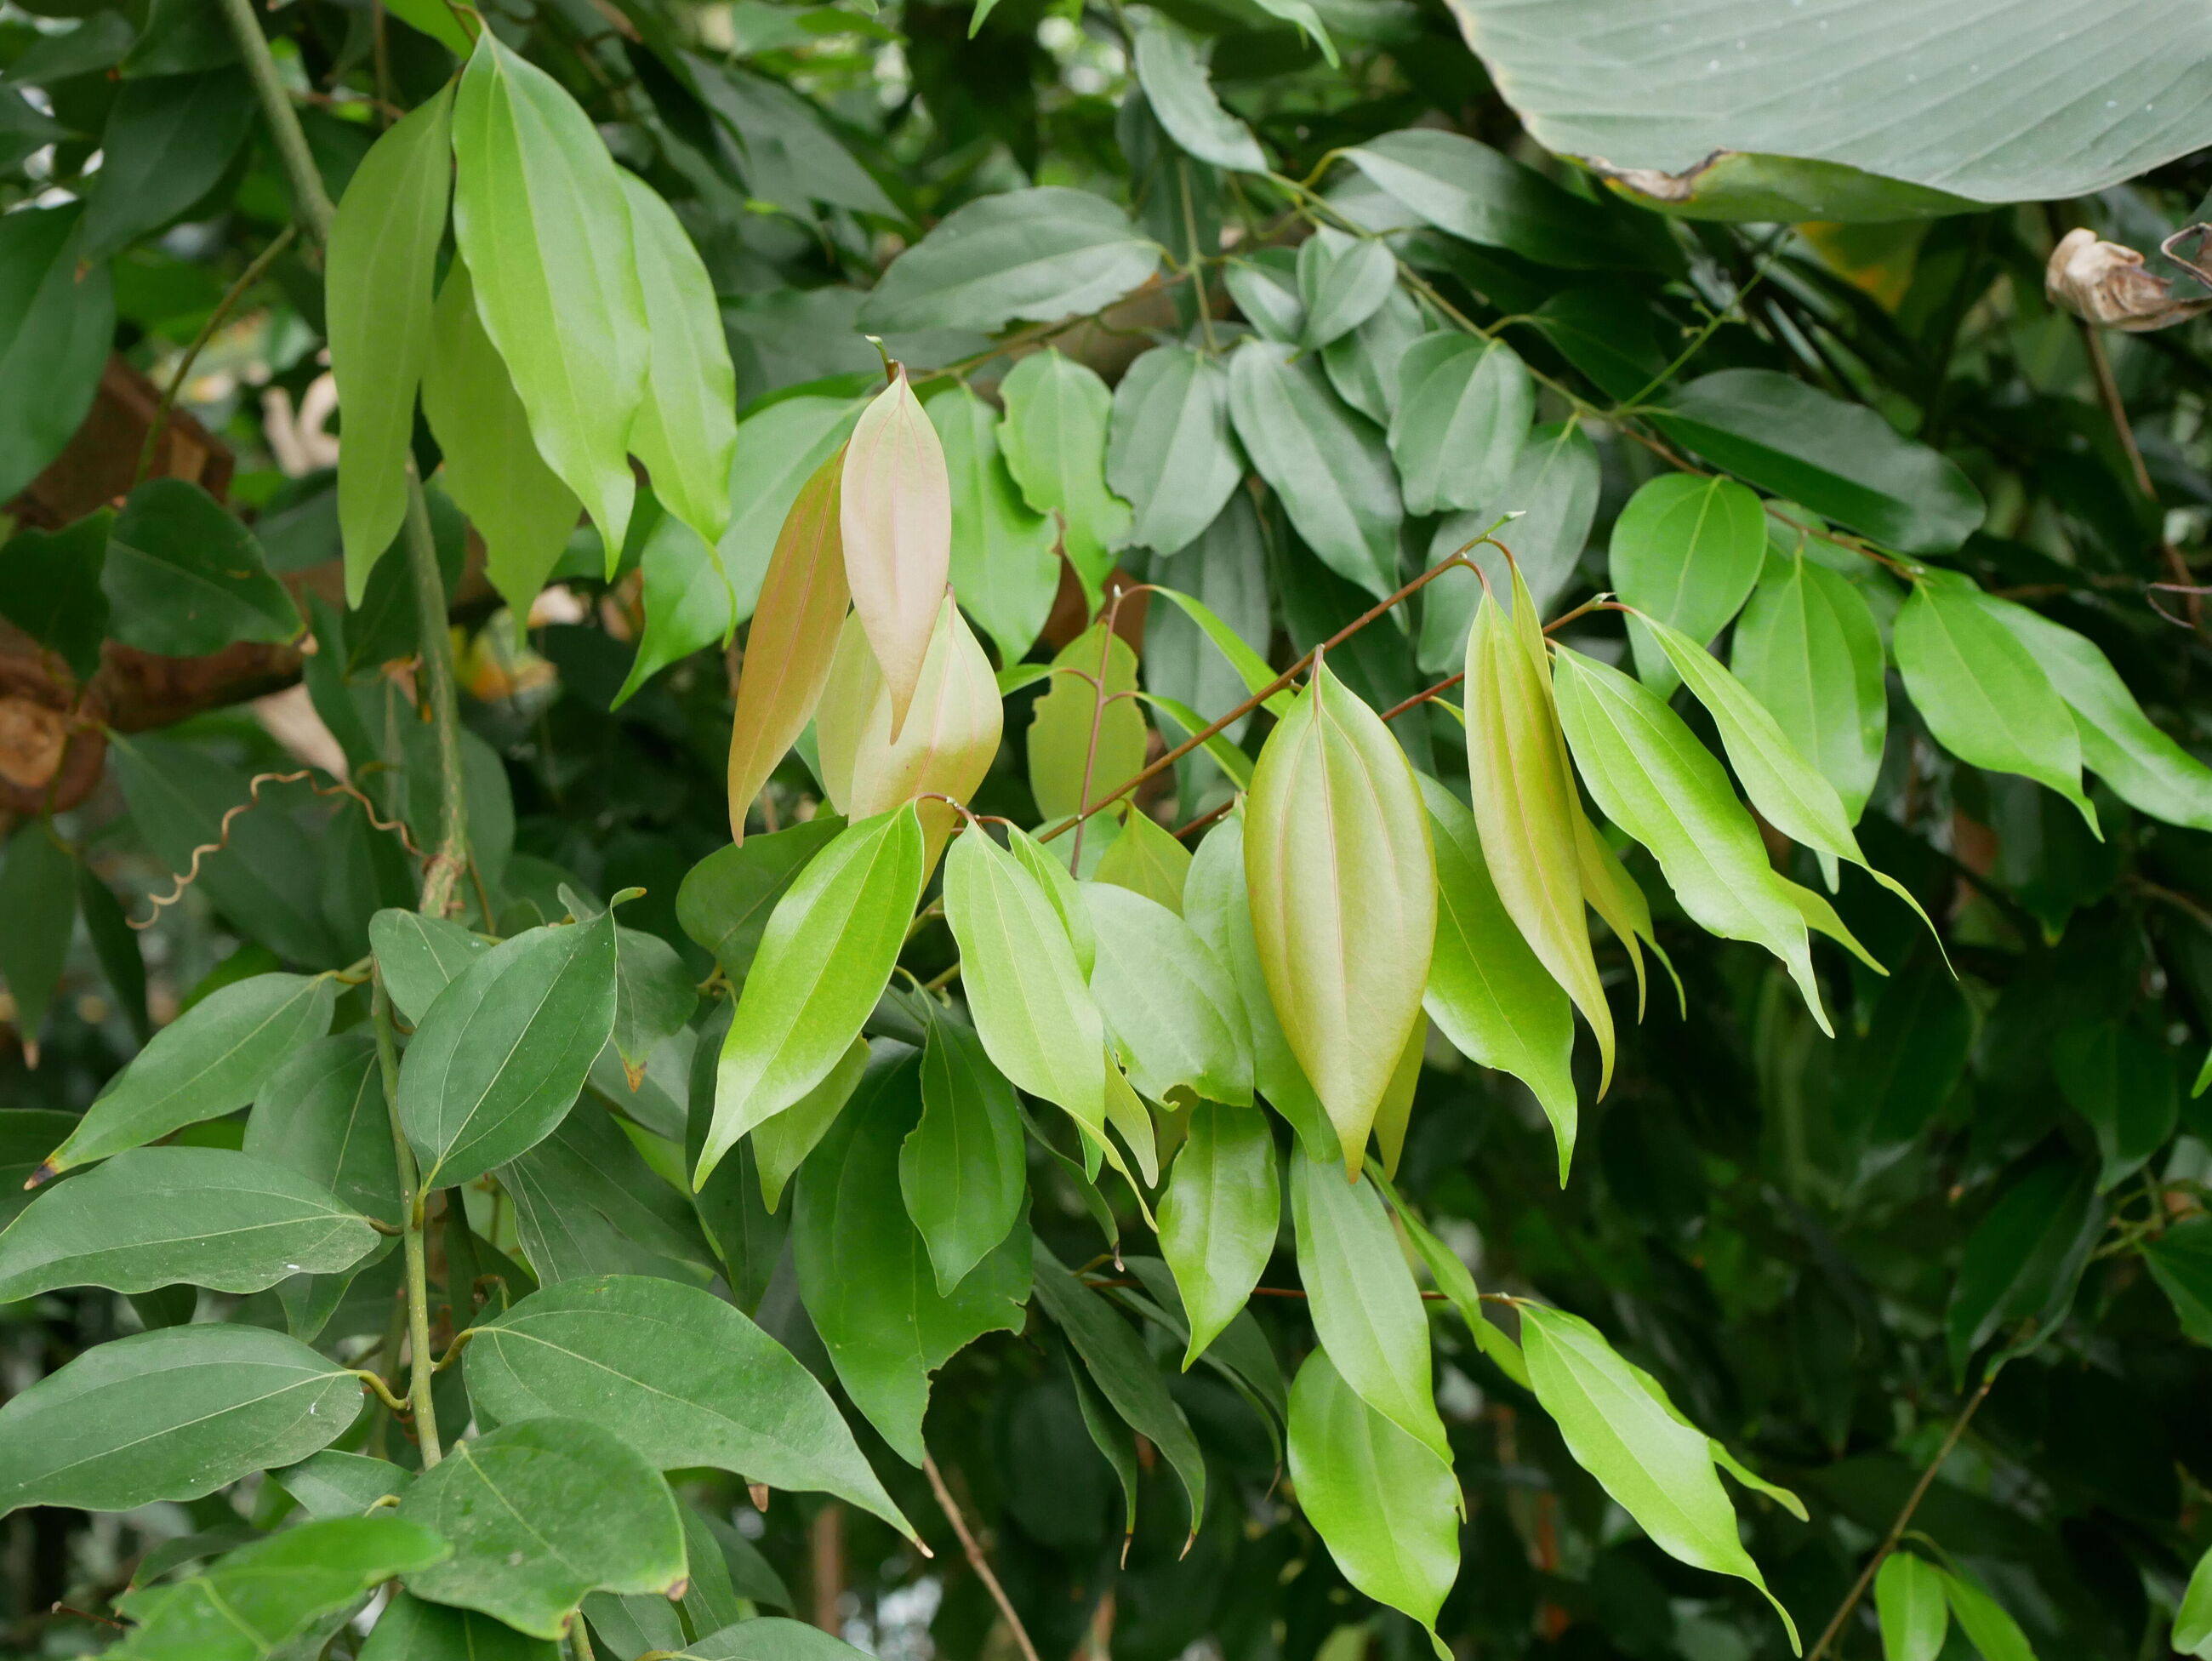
{"type": "Point", "coordinates": [2024, 1260]}
{"type": "Point", "coordinates": [2121, 1079]}
{"type": "Point", "coordinates": [1172, 1011]}
{"type": "Point", "coordinates": [1807, 647]}
{"type": "Point", "coordinates": [1147, 858]}
{"type": "Point", "coordinates": [183, 578]}
{"type": "Point", "coordinates": [1074, 742]}
{"type": "Point", "coordinates": [1474, 192]}
{"type": "Point", "coordinates": [38, 896]}
{"type": "Point", "coordinates": [1037, 255]}
{"type": "Point", "coordinates": [896, 519]}
{"type": "Point", "coordinates": [822, 962]}
{"type": "Point", "coordinates": [524, 1551]}
{"type": "Point", "coordinates": [781, 1144]}
{"type": "Point", "coordinates": [727, 898]}
{"type": "Point", "coordinates": [377, 287]}
{"type": "Point", "coordinates": [1004, 563]}
{"type": "Point", "coordinates": [500, 1055]}
{"type": "Point", "coordinates": [962, 1169]}
{"type": "Point", "coordinates": [1220, 1217]}
{"type": "Point", "coordinates": [170, 1415]}
{"type": "Point", "coordinates": [413, 1629]}
{"type": "Point", "coordinates": [865, 1274]}
{"type": "Point", "coordinates": [1554, 488]}
{"type": "Point", "coordinates": [1988, 1625]}
{"type": "Point", "coordinates": [1054, 438]}
{"type": "Point", "coordinates": [540, 218]}
{"type": "Point", "coordinates": [1169, 450]}
{"type": "Point", "coordinates": [55, 329]}
{"type": "Point", "coordinates": [686, 431]}
{"type": "Point", "coordinates": [1688, 551]}
{"type": "Point", "coordinates": [1908, 1600]}
{"type": "Point", "coordinates": [207, 1063]}
{"type": "Point", "coordinates": [1460, 422]}
{"type": "Point", "coordinates": [689, 600]}
{"type": "Point", "coordinates": [1343, 281]}
{"type": "Point", "coordinates": [1382, 1501]}
{"type": "Point", "coordinates": [167, 140]}
{"type": "Point", "coordinates": [1453, 1279]}
{"type": "Point", "coordinates": [1343, 897]}
{"type": "Point", "coordinates": [2180, 1261]}
{"type": "Point", "coordinates": [1171, 66]}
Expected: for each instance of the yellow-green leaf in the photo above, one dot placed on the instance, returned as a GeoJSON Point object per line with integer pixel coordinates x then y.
{"type": "Point", "coordinates": [1054, 438]}
{"type": "Point", "coordinates": [1063, 752]}
{"type": "Point", "coordinates": [686, 429]}
{"type": "Point", "coordinates": [1147, 860]}
{"type": "Point", "coordinates": [1220, 1217]}
{"type": "Point", "coordinates": [897, 512]}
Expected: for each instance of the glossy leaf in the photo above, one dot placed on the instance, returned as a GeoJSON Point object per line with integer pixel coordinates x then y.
{"type": "Point", "coordinates": [524, 1551]}
{"type": "Point", "coordinates": [540, 218]}
{"type": "Point", "coordinates": [1171, 66]}
{"type": "Point", "coordinates": [183, 578]}
{"type": "Point", "coordinates": [1908, 1601]}
{"type": "Point", "coordinates": [1036, 255]}
{"type": "Point", "coordinates": [1073, 740]}
{"type": "Point", "coordinates": [727, 899]}
{"type": "Point", "coordinates": [170, 1415]}
{"type": "Point", "coordinates": [686, 430]}
{"type": "Point", "coordinates": [2192, 1622]}
{"type": "Point", "coordinates": [781, 1144]}
{"type": "Point", "coordinates": [2180, 1261]}
{"type": "Point", "coordinates": [962, 1170]}
{"type": "Point", "coordinates": [1807, 647]}
{"type": "Point", "coordinates": [1460, 422]}
{"type": "Point", "coordinates": [896, 516]}
{"type": "Point", "coordinates": [1006, 562]}
{"type": "Point", "coordinates": [1688, 551]}
{"type": "Point", "coordinates": [38, 896]}
{"type": "Point", "coordinates": [1172, 1011]}
{"type": "Point", "coordinates": [207, 1063]}
{"type": "Point", "coordinates": [1169, 451]}
{"type": "Point", "coordinates": [823, 963]}
{"type": "Point", "coordinates": [1988, 1626]}
{"type": "Point", "coordinates": [2023, 1261]}
{"type": "Point", "coordinates": [56, 323]}
{"type": "Point", "coordinates": [1219, 1216]}
{"type": "Point", "coordinates": [377, 287]}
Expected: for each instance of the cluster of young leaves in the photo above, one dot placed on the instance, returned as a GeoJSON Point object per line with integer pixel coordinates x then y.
{"type": "Point", "coordinates": [664, 1232]}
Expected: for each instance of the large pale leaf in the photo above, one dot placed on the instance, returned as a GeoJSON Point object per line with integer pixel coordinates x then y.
{"type": "Point", "coordinates": [896, 509]}
{"type": "Point", "coordinates": [1343, 896]}
{"type": "Point", "coordinates": [1220, 1217]}
{"type": "Point", "coordinates": [539, 216]}
{"type": "Point", "coordinates": [1054, 438]}
{"type": "Point", "coordinates": [1462, 415]}
{"type": "Point", "coordinates": [962, 1170]}
{"type": "Point", "coordinates": [524, 1551]}
{"type": "Point", "coordinates": [686, 431]}
{"type": "Point", "coordinates": [1038, 255]}
{"type": "Point", "coordinates": [1169, 450]}
{"type": "Point", "coordinates": [1807, 648]}
{"type": "Point", "coordinates": [376, 301]}
{"type": "Point", "coordinates": [170, 1415]}
{"type": "Point", "coordinates": [1006, 565]}
{"type": "Point", "coordinates": [1171, 1010]}
{"type": "Point", "coordinates": [823, 960]}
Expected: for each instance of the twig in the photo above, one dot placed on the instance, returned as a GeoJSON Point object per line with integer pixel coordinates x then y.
{"type": "Point", "coordinates": [1424, 695]}
{"type": "Point", "coordinates": [2108, 392]}
{"type": "Point", "coordinates": [976, 1560]}
{"type": "Point", "coordinates": [1904, 1518]}
{"type": "Point", "coordinates": [246, 278]}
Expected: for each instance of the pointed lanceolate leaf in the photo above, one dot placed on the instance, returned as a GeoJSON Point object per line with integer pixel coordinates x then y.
{"type": "Point", "coordinates": [1171, 68]}
{"type": "Point", "coordinates": [1988, 1625]}
{"type": "Point", "coordinates": [1343, 896]}
{"type": "Point", "coordinates": [539, 216]}
{"type": "Point", "coordinates": [686, 429]}
{"type": "Point", "coordinates": [1169, 451]}
{"type": "Point", "coordinates": [823, 963]}
{"type": "Point", "coordinates": [1006, 562]}
{"type": "Point", "coordinates": [1384, 1503]}
{"type": "Point", "coordinates": [1807, 648]}
{"type": "Point", "coordinates": [1054, 437]}
{"type": "Point", "coordinates": [803, 601]}
{"type": "Point", "coordinates": [1908, 1601]}
{"type": "Point", "coordinates": [1686, 550]}
{"type": "Point", "coordinates": [501, 1054]}
{"type": "Point", "coordinates": [377, 295]}
{"type": "Point", "coordinates": [781, 1144]}
{"type": "Point", "coordinates": [895, 517]}
{"type": "Point", "coordinates": [679, 1374]}
{"type": "Point", "coordinates": [727, 899]}
{"type": "Point", "coordinates": [1461, 420]}
{"type": "Point", "coordinates": [172, 1414]}
{"type": "Point", "coordinates": [1220, 1217]}
{"type": "Point", "coordinates": [1170, 1008]}
{"type": "Point", "coordinates": [524, 1551]}
{"type": "Point", "coordinates": [962, 1169]}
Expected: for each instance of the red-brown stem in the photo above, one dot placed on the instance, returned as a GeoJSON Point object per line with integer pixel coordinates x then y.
{"type": "Point", "coordinates": [1421, 697]}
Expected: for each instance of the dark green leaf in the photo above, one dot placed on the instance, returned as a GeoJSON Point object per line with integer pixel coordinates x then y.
{"type": "Point", "coordinates": [1342, 282]}
{"type": "Point", "coordinates": [654, 997]}
{"type": "Point", "coordinates": [2121, 1079]}
{"type": "Point", "coordinates": [37, 915]}
{"type": "Point", "coordinates": [335, 1484]}
{"type": "Point", "coordinates": [1037, 255]}
{"type": "Point", "coordinates": [50, 580]}
{"type": "Point", "coordinates": [727, 898]}
{"type": "Point", "coordinates": [418, 956]}
{"type": "Point", "coordinates": [184, 579]}
{"type": "Point", "coordinates": [168, 140]}
{"type": "Point", "coordinates": [2023, 1262]}
{"type": "Point", "coordinates": [410, 1629]}
{"type": "Point", "coordinates": [2180, 1261]}
{"type": "Point", "coordinates": [55, 327]}
{"type": "Point", "coordinates": [962, 1170]}
{"type": "Point", "coordinates": [1461, 418]}
{"type": "Point", "coordinates": [1171, 66]}
{"type": "Point", "coordinates": [1475, 193]}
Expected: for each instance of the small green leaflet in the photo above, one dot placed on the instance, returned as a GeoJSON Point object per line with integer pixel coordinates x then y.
{"type": "Point", "coordinates": [1687, 551]}
{"type": "Point", "coordinates": [1220, 1217]}
{"type": "Point", "coordinates": [335, 1484]}
{"type": "Point", "coordinates": [1908, 1601]}
{"type": "Point", "coordinates": [962, 1170]}
{"type": "Point", "coordinates": [1807, 647]}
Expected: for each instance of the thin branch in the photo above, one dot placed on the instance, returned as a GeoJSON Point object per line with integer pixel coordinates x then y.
{"type": "Point", "coordinates": [976, 1560]}
{"type": "Point", "coordinates": [2108, 392]}
{"type": "Point", "coordinates": [237, 291]}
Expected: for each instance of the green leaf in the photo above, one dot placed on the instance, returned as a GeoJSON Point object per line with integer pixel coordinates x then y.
{"type": "Point", "coordinates": [500, 1055]}
{"type": "Point", "coordinates": [781, 1144]}
{"type": "Point", "coordinates": [170, 1415]}
{"type": "Point", "coordinates": [1327, 463]}
{"type": "Point", "coordinates": [419, 957]}
{"type": "Point", "coordinates": [1054, 438]}
{"type": "Point", "coordinates": [896, 518]}
{"type": "Point", "coordinates": [1146, 858]}
{"type": "Point", "coordinates": [2121, 1079]}
{"type": "Point", "coordinates": [1171, 1010]}
{"type": "Point", "coordinates": [1061, 888]}
{"type": "Point", "coordinates": [38, 898]}
{"type": "Point", "coordinates": [679, 1374]}
{"type": "Point", "coordinates": [1366, 1310]}
{"type": "Point", "coordinates": [865, 1274]}
{"type": "Point", "coordinates": [1112, 1436]}
{"type": "Point", "coordinates": [169, 140]}
{"type": "Point", "coordinates": [2024, 1260]}
{"type": "Point", "coordinates": [1364, 365]}
{"type": "Point", "coordinates": [1453, 1280]}
{"type": "Point", "coordinates": [1480, 196]}
{"type": "Point", "coordinates": [769, 1638]}
{"type": "Point", "coordinates": [154, 1217]}
{"type": "Point", "coordinates": [1343, 281]}
{"type": "Point", "coordinates": [686, 431]}
{"type": "Point", "coordinates": [2180, 1261]}
{"type": "Point", "coordinates": [1124, 1371]}
{"type": "Point", "coordinates": [1198, 648]}
{"type": "Point", "coordinates": [437, 20]}
{"type": "Point", "coordinates": [1652, 778]}
{"type": "Point", "coordinates": [1265, 289]}
{"type": "Point", "coordinates": [654, 997]}
{"type": "Point", "coordinates": [335, 1484]}
{"type": "Point", "coordinates": [492, 470]}
{"type": "Point", "coordinates": [1343, 897]}
{"type": "Point", "coordinates": [1984, 694]}
{"type": "Point", "coordinates": [1383, 1502]}
{"type": "Point", "coordinates": [1659, 1470]}
{"type": "Point", "coordinates": [1063, 752]}
{"type": "Point", "coordinates": [1171, 66]}
{"type": "Point", "coordinates": [410, 1629]}
{"type": "Point", "coordinates": [823, 960]}
{"type": "Point", "coordinates": [26, 1134]}
{"type": "Point", "coordinates": [1462, 416]}
{"type": "Point", "coordinates": [689, 602]}
{"type": "Point", "coordinates": [540, 217]}
{"type": "Point", "coordinates": [1807, 648]}
{"type": "Point", "coordinates": [1035, 255]}
{"type": "Point", "coordinates": [2192, 1623]}
{"type": "Point", "coordinates": [1308, 22]}
{"type": "Point", "coordinates": [50, 580]}
{"type": "Point", "coordinates": [378, 289]}
{"type": "Point", "coordinates": [1844, 461]}
{"type": "Point", "coordinates": [55, 330]}
{"type": "Point", "coordinates": [1220, 1217]}
{"type": "Point", "coordinates": [1908, 1600]}
{"type": "Point", "coordinates": [1688, 551]}
{"type": "Point", "coordinates": [184, 579]}
{"type": "Point", "coordinates": [539, 1513]}
{"type": "Point", "coordinates": [780, 447]}
{"type": "Point", "coordinates": [1487, 991]}
{"type": "Point", "coordinates": [962, 1170]}
{"type": "Point", "coordinates": [727, 898]}
{"type": "Point", "coordinates": [1004, 563]}
{"type": "Point", "coordinates": [209, 1061]}
{"type": "Point", "coordinates": [1988, 1627]}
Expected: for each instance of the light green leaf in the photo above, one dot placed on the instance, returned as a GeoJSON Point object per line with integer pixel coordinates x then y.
{"type": "Point", "coordinates": [501, 1054]}
{"type": "Point", "coordinates": [1327, 463]}
{"type": "Point", "coordinates": [1687, 551]}
{"type": "Point", "coordinates": [154, 1217]}
{"type": "Point", "coordinates": [1251, 668]}
{"type": "Point", "coordinates": [962, 1170]}
{"type": "Point", "coordinates": [1170, 1007]}
{"type": "Point", "coordinates": [1807, 648]}
{"type": "Point", "coordinates": [1453, 1280]}
{"type": "Point", "coordinates": [1480, 196]}
{"type": "Point", "coordinates": [1462, 419]}
{"type": "Point", "coordinates": [1183, 721]}
{"type": "Point", "coordinates": [410, 1629]}
{"type": "Point", "coordinates": [170, 1415]}
{"type": "Point", "coordinates": [823, 960]}
{"type": "Point", "coordinates": [1988, 1626]}
{"type": "Point", "coordinates": [377, 295]}
{"type": "Point", "coordinates": [689, 601]}
{"type": "Point", "coordinates": [1220, 1217]}
{"type": "Point", "coordinates": [780, 447]}
{"type": "Point", "coordinates": [1908, 1600]}
{"type": "Point", "coordinates": [679, 1375]}
{"type": "Point", "coordinates": [1036, 255]}
{"type": "Point", "coordinates": [1553, 486]}
{"type": "Point", "coordinates": [1061, 888]}
{"type": "Point", "coordinates": [1171, 65]}
{"type": "Point", "coordinates": [1384, 1503]}
{"type": "Point", "coordinates": [418, 956]}
{"type": "Point", "coordinates": [1054, 438]}
{"type": "Point", "coordinates": [493, 469]}
{"type": "Point", "coordinates": [865, 1274]}
{"type": "Point", "coordinates": [1659, 1470]}
{"type": "Point", "coordinates": [1343, 281]}
{"type": "Point", "coordinates": [781, 1144]}
{"type": "Point", "coordinates": [1169, 449]}
{"type": "Point", "coordinates": [207, 1063]}
{"type": "Point", "coordinates": [685, 432]}
{"type": "Point", "coordinates": [539, 217]}
{"type": "Point", "coordinates": [1983, 694]}
{"type": "Point", "coordinates": [727, 898]}
{"type": "Point", "coordinates": [2192, 1623]}
{"type": "Point", "coordinates": [1006, 565]}
{"type": "Point", "coordinates": [1064, 755]}
{"type": "Point", "coordinates": [1302, 13]}
{"type": "Point", "coordinates": [184, 578]}
{"type": "Point", "coordinates": [524, 1551]}
{"type": "Point", "coordinates": [1147, 858]}
{"type": "Point", "coordinates": [1487, 991]}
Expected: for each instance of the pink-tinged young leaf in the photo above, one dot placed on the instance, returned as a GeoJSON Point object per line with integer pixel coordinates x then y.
{"type": "Point", "coordinates": [896, 510]}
